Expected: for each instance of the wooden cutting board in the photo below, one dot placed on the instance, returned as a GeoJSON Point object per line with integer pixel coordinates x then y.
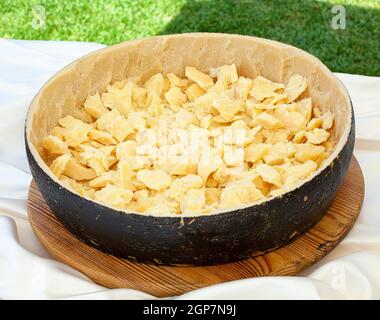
{"type": "Point", "coordinates": [162, 281]}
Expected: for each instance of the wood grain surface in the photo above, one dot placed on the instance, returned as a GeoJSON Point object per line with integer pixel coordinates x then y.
{"type": "Point", "coordinates": [162, 281]}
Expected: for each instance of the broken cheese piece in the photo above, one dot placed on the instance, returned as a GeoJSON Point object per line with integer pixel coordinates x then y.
{"type": "Point", "coordinates": [293, 175]}
{"type": "Point", "coordinates": [58, 166]}
{"type": "Point", "coordinates": [102, 137]}
{"type": "Point", "coordinates": [293, 120]}
{"type": "Point", "coordinates": [203, 80]}
{"type": "Point", "coordinates": [314, 123]}
{"type": "Point", "coordinates": [115, 196]}
{"type": "Point", "coordinates": [256, 152]}
{"type": "Point", "coordinates": [154, 179]}
{"type": "Point", "coordinates": [54, 145]}
{"type": "Point", "coordinates": [77, 171]}
{"type": "Point", "coordinates": [264, 88]}
{"type": "Point", "coordinates": [73, 185]}
{"type": "Point", "coordinates": [155, 84]}
{"type": "Point", "coordinates": [180, 186]}
{"type": "Point", "coordinates": [295, 86]}
{"type": "Point", "coordinates": [119, 98]}
{"type": "Point", "coordinates": [269, 174]}
{"type": "Point", "coordinates": [328, 120]}
{"type": "Point", "coordinates": [228, 108]}
{"type": "Point", "coordinates": [75, 131]}
{"type": "Point", "coordinates": [175, 97]}
{"type": "Point", "coordinates": [103, 180]}
{"type": "Point", "coordinates": [268, 121]}
{"type": "Point", "coordinates": [194, 92]}
{"type": "Point", "coordinates": [317, 136]}
{"type": "Point", "coordinates": [94, 106]}
{"type": "Point", "coordinates": [193, 201]}
{"type": "Point", "coordinates": [121, 128]}
{"type": "Point", "coordinates": [308, 152]}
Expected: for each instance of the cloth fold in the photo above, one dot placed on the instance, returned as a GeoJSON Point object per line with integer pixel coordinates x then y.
{"type": "Point", "coordinates": [27, 271]}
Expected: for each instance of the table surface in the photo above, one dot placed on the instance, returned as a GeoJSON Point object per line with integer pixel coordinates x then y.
{"type": "Point", "coordinates": [27, 271]}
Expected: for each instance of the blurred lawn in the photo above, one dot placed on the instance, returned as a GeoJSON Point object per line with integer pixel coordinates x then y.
{"type": "Point", "coordinates": [303, 23]}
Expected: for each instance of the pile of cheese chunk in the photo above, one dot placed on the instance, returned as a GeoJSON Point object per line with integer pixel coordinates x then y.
{"type": "Point", "coordinates": [194, 145]}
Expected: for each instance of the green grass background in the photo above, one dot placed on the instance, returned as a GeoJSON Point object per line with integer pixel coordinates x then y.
{"type": "Point", "coordinates": [303, 23]}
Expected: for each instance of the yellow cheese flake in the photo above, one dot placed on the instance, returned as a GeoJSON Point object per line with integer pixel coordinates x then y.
{"type": "Point", "coordinates": [77, 171]}
{"type": "Point", "coordinates": [183, 169]}
{"type": "Point", "coordinates": [226, 74]}
{"type": "Point", "coordinates": [296, 173]}
{"type": "Point", "coordinates": [73, 185]}
{"type": "Point", "coordinates": [228, 108]}
{"type": "Point", "coordinates": [317, 136]}
{"type": "Point", "coordinates": [328, 120]}
{"type": "Point", "coordinates": [193, 201]}
{"type": "Point", "coordinates": [119, 99]}
{"type": "Point", "coordinates": [203, 80]}
{"type": "Point", "coordinates": [102, 137]}
{"type": "Point", "coordinates": [94, 106]}
{"type": "Point", "coordinates": [212, 196]}
{"type": "Point", "coordinates": [121, 128]}
{"type": "Point", "coordinates": [76, 131]}
{"type": "Point", "coordinates": [269, 174]}
{"type": "Point", "coordinates": [239, 193]}
{"type": "Point", "coordinates": [137, 120]}
{"type": "Point", "coordinates": [293, 120]}
{"type": "Point", "coordinates": [154, 179]}
{"type": "Point", "coordinates": [194, 92]}
{"type": "Point", "coordinates": [268, 121]}
{"type": "Point", "coordinates": [54, 145]}
{"type": "Point", "coordinates": [175, 97]}
{"type": "Point", "coordinates": [308, 152]}
{"type": "Point", "coordinates": [124, 175]}
{"type": "Point", "coordinates": [305, 107]}
{"type": "Point", "coordinates": [58, 131]}
{"type": "Point", "coordinates": [114, 196]}
{"type": "Point", "coordinates": [295, 86]}
{"type": "Point", "coordinates": [264, 88]}
{"type": "Point", "coordinates": [102, 180]}
{"type": "Point", "coordinates": [126, 148]}
{"type": "Point", "coordinates": [155, 84]}
{"type": "Point", "coordinates": [180, 186]}
{"type": "Point", "coordinates": [314, 123]}
{"type": "Point", "coordinates": [160, 208]}
{"type": "Point", "coordinates": [176, 81]}
{"type": "Point", "coordinates": [59, 164]}
{"type": "Point", "coordinates": [256, 152]}
{"type": "Point", "coordinates": [273, 158]}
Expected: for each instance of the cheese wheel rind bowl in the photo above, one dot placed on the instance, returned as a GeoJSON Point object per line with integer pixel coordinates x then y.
{"type": "Point", "coordinates": [199, 239]}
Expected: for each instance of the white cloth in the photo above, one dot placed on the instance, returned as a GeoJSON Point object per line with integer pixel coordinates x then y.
{"type": "Point", "coordinates": [28, 272]}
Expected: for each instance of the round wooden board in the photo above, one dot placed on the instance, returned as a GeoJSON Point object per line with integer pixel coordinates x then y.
{"type": "Point", "coordinates": [162, 281]}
